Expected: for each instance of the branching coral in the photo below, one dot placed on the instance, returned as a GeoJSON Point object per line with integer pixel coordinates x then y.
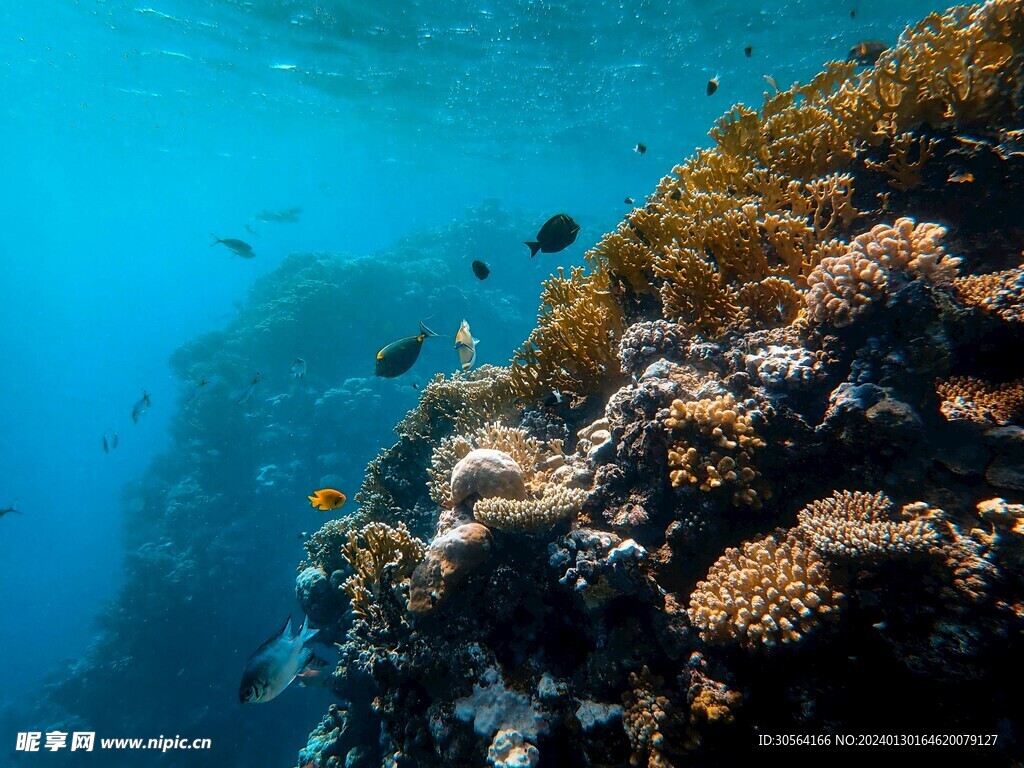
{"type": "Point", "coordinates": [650, 720]}
{"type": "Point", "coordinates": [966, 398]}
{"type": "Point", "coordinates": [998, 293]}
{"type": "Point", "coordinates": [842, 287]}
{"type": "Point", "coordinates": [861, 525]}
{"type": "Point", "coordinates": [768, 593]}
{"type": "Point", "coordinates": [573, 346]}
{"type": "Point", "coordinates": [369, 552]}
{"type": "Point", "coordinates": [534, 515]}
{"type": "Point", "coordinates": [715, 442]}
{"type": "Point", "coordinates": [904, 165]}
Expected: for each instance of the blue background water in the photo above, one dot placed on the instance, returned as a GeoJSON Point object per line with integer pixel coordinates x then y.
{"type": "Point", "coordinates": [131, 130]}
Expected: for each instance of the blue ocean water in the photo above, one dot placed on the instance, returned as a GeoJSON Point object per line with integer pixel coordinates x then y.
{"type": "Point", "coordinates": [132, 130]}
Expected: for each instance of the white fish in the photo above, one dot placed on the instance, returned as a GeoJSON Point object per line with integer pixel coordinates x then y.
{"type": "Point", "coordinates": [465, 345]}
{"type": "Point", "coordinates": [274, 665]}
{"type": "Point", "coordinates": [299, 368]}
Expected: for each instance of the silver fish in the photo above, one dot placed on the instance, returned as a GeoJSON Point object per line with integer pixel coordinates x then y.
{"type": "Point", "coordinates": [249, 390]}
{"type": "Point", "coordinates": [274, 665]}
{"type": "Point", "coordinates": [465, 345]}
{"type": "Point", "coordinates": [299, 368]}
{"type": "Point", "coordinates": [141, 407]}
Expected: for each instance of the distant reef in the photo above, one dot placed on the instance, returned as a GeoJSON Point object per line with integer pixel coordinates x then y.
{"type": "Point", "coordinates": [757, 473]}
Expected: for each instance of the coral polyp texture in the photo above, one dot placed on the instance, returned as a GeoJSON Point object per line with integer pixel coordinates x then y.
{"type": "Point", "coordinates": [768, 593]}
{"type": "Point", "coordinates": [759, 465]}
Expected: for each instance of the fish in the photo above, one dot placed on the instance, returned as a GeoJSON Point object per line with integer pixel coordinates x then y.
{"type": "Point", "coordinates": [628, 201]}
{"type": "Point", "coordinates": [398, 356]}
{"type": "Point", "coordinates": [274, 665]}
{"type": "Point", "coordinates": [557, 234]}
{"type": "Point", "coordinates": [555, 398]}
{"type": "Point", "coordinates": [327, 499]}
{"type": "Point", "coordinates": [113, 443]}
{"type": "Point", "coordinates": [481, 270]}
{"type": "Point", "coordinates": [141, 407]}
{"type": "Point", "coordinates": [287, 216]}
{"type": "Point", "coordinates": [238, 247]}
{"type": "Point", "coordinates": [106, 448]}
{"type": "Point", "coordinates": [640, 149]}
{"type": "Point", "coordinates": [9, 510]}
{"type": "Point", "coordinates": [961, 178]}
{"type": "Point", "coordinates": [867, 52]}
{"type": "Point", "coordinates": [247, 393]}
{"type": "Point", "coordinates": [298, 368]}
{"type": "Point", "coordinates": [712, 85]}
{"type": "Point", "coordinates": [748, 51]}
{"type": "Point", "coordinates": [853, 13]}
{"type": "Point", "coordinates": [465, 345]}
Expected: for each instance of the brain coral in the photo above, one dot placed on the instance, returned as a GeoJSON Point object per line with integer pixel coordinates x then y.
{"type": "Point", "coordinates": [856, 524]}
{"type": "Point", "coordinates": [485, 472]}
{"type": "Point", "coordinates": [843, 286]}
{"type": "Point", "coordinates": [768, 593]}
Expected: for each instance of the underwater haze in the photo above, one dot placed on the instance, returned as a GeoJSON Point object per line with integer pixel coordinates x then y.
{"type": "Point", "coordinates": [368, 153]}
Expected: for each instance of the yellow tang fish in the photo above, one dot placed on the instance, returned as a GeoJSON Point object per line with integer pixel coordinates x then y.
{"type": "Point", "coordinates": [327, 499]}
{"type": "Point", "coordinates": [465, 345]}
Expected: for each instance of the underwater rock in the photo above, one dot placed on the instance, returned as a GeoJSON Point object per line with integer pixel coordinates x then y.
{"type": "Point", "coordinates": [492, 707]}
{"type": "Point", "coordinates": [509, 749]}
{"type": "Point", "coordinates": [487, 473]}
{"type": "Point", "coordinates": [449, 558]}
{"type": "Point", "coordinates": [315, 595]}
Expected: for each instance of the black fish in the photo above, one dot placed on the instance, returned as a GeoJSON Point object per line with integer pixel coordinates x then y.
{"type": "Point", "coordinates": [398, 356]}
{"type": "Point", "coordinates": [867, 52]}
{"type": "Point", "coordinates": [640, 149]}
{"type": "Point", "coordinates": [239, 247]}
{"type": "Point", "coordinates": [141, 407]}
{"type": "Point", "coordinates": [748, 51]}
{"type": "Point", "coordinates": [481, 270]}
{"type": "Point", "coordinates": [106, 448]}
{"type": "Point", "coordinates": [557, 234]}
{"type": "Point", "coordinates": [629, 201]}
{"type": "Point", "coordinates": [712, 85]}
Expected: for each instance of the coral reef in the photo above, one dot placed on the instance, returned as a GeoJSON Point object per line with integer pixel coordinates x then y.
{"type": "Point", "coordinates": [648, 542]}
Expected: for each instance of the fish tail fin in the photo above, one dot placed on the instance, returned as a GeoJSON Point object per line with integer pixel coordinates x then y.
{"type": "Point", "coordinates": [427, 333]}
{"type": "Point", "coordinates": [215, 240]}
{"type": "Point", "coordinates": [306, 633]}
{"type": "Point", "coordinates": [533, 246]}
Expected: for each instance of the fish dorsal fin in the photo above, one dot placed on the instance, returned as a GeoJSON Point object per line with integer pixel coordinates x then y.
{"type": "Point", "coordinates": [306, 633]}
{"type": "Point", "coordinates": [286, 630]}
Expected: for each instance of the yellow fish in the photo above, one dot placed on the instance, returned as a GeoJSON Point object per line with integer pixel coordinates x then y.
{"type": "Point", "coordinates": [327, 499]}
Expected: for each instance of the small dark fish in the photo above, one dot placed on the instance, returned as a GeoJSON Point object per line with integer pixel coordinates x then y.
{"type": "Point", "coordinates": [748, 51]}
{"type": "Point", "coordinates": [640, 149]}
{"type": "Point", "coordinates": [274, 665]}
{"type": "Point", "coordinates": [712, 85]}
{"type": "Point", "coordinates": [106, 448]}
{"type": "Point", "coordinates": [481, 270]}
{"type": "Point", "coordinates": [867, 52]}
{"type": "Point", "coordinates": [299, 368]}
{"type": "Point", "coordinates": [287, 216]}
{"type": "Point", "coordinates": [141, 407]}
{"type": "Point", "coordinates": [398, 356]}
{"type": "Point", "coordinates": [238, 247]}
{"type": "Point", "coordinates": [555, 398]}
{"type": "Point", "coordinates": [10, 510]}
{"type": "Point", "coordinates": [628, 201]}
{"type": "Point", "coordinates": [247, 393]}
{"type": "Point", "coordinates": [853, 13]}
{"type": "Point", "coordinates": [415, 386]}
{"type": "Point", "coordinates": [557, 234]}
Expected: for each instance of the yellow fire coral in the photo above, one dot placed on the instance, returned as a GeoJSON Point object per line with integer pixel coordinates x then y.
{"type": "Point", "coordinates": [966, 398]}
{"type": "Point", "coordinates": [648, 717]}
{"type": "Point", "coordinates": [573, 346]}
{"type": "Point", "coordinates": [369, 552]}
{"type": "Point", "coordinates": [998, 293]}
{"type": "Point", "coordinates": [842, 287]}
{"type": "Point", "coordinates": [904, 165]}
{"type": "Point", "coordinates": [768, 593]}
{"type": "Point", "coordinates": [715, 444]}
{"type": "Point", "coordinates": [856, 525]}
{"type": "Point", "coordinates": [534, 515]}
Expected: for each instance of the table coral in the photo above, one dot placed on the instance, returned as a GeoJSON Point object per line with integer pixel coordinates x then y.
{"type": "Point", "coordinates": [966, 398]}
{"type": "Point", "coordinates": [998, 293]}
{"type": "Point", "coordinates": [715, 442]}
{"type": "Point", "coordinates": [765, 594]}
{"type": "Point", "coordinates": [861, 525]}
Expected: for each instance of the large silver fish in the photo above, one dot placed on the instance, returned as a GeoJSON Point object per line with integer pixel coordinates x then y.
{"type": "Point", "coordinates": [275, 664]}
